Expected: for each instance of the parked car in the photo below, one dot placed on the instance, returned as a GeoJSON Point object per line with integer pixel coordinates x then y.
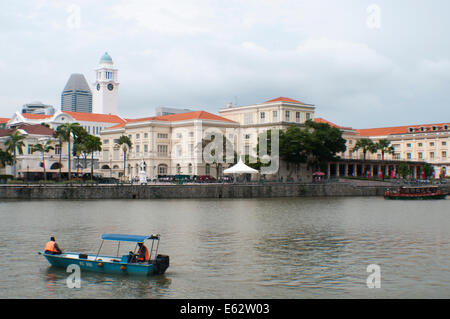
{"type": "Point", "coordinates": [205, 179]}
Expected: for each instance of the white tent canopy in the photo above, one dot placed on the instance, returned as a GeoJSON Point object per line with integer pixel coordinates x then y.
{"type": "Point", "coordinates": [240, 168]}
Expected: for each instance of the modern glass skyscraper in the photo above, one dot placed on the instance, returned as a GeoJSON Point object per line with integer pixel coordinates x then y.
{"type": "Point", "coordinates": [76, 96]}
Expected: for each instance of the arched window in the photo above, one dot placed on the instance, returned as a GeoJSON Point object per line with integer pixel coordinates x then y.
{"type": "Point", "coordinates": [162, 169]}
{"type": "Point", "coordinates": [56, 166]}
{"type": "Point", "coordinates": [207, 169]}
{"type": "Point", "coordinates": [105, 167]}
{"type": "Point", "coordinates": [178, 169]}
{"type": "Point", "coordinates": [190, 168]}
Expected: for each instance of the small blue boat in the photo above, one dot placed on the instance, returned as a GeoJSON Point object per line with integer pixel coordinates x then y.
{"type": "Point", "coordinates": [125, 264]}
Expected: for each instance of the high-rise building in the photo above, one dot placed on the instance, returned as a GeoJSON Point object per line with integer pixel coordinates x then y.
{"type": "Point", "coordinates": [77, 96]}
{"type": "Point", "coordinates": [160, 111]}
{"type": "Point", "coordinates": [106, 87]}
{"type": "Point", "coordinates": [38, 108]}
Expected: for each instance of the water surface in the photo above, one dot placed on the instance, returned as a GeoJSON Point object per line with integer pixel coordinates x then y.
{"type": "Point", "coordinates": [236, 248]}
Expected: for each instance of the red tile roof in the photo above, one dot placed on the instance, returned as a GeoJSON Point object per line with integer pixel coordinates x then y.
{"type": "Point", "coordinates": [321, 120]}
{"type": "Point", "coordinates": [383, 131]}
{"type": "Point", "coordinates": [95, 117]}
{"type": "Point", "coordinates": [283, 99]}
{"type": "Point", "coordinates": [197, 115]}
{"type": "Point", "coordinates": [35, 116]}
{"type": "Point", "coordinates": [35, 129]}
{"type": "Point", "coordinates": [4, 119]}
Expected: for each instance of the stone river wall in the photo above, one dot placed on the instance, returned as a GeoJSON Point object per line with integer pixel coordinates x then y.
{"type": "Point", "coordinates": [31, 192]}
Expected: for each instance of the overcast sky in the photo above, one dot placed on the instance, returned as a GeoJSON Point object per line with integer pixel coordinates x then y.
{"type": "Point", "coordinates": [361, 63]}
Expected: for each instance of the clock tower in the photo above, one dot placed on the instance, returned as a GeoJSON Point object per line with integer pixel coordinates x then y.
{"type": "Point", "coordinates": [106, 87]}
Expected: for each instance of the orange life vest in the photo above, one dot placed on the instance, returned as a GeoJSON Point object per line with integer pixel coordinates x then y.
{"type": "Point", "coordinates": [140, 252]}
{"type": "Point", "coordinates": [50, 246]}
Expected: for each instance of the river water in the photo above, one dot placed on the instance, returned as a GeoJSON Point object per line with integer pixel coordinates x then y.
{"type": "Point", "coordinates": [236, 248]}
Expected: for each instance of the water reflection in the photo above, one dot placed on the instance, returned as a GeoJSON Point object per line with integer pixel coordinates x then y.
{"type": "Point", "coordinates": [276, 248]}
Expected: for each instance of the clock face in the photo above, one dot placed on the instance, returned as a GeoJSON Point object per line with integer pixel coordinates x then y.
{"type": "Point", "coordinates": [110, 87]}
{"type": "Point", "coordinates": [98, 87]}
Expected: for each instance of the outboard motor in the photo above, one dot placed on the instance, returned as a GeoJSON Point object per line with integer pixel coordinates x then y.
{"type": "Point", "coordinates": [161, 264]}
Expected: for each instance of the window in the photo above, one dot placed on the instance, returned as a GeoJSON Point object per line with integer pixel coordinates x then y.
{"type": "Point", "coordinates": [191, 150]}
{"type": "Point", "coordinates": [178, 150]}
{"type": "Point", "coordinates": [444, 154]}
{"type": "Point", "coordinates": [420, 144]}
{"type": "Point", "coordinates": [308, 116]}
{"type": "Point", "coordinates": [247, 136]}
{"type": "Point", "coordinates": [287, 114]}
{"type": "Point", "coordinates": [444, 143]}
{"type": "Point", "coordinates": [30, 148]}
{"type": "Point", "coordinates": [408, 145]}
{"type": "Point", "coordinates": [138, 136]}
{"type": "Point", "coordinates": [275, 115]}
{"type": "Point", "coordinates": [420, 155]}
{"type": "Point", "coordinates": [145, 148]}
{"type": "Point", "coordinates": [178, 169]}
{"type": "Point", "coordinates": [408, 155]}
{"type": "Point", "coordinates": [396, 156]}
{"type": "Point", "coordinates": [207, 169]}
{"type": "Point", "coordinates": [137, 148]}
{"type": "Point", "coordinates": [162, 150]}
{"type": "Point", "coordinates": [191, 134]}
{"type": "Point", "coordinates": [179, 135]}
{"type": "Point", "coordinates": [163, 135]}
{"type": "Point", "coordinates": [431, 143]}
{"type": "Point", "coordinates": [431, 155]}
{"type": "Point", "coordinates": [297, 116]}
{"type": "Point", "coordinates": [145, 135]}
{"type": "Point", "coordinates": [105, 141]}
{"type": "Point", "coordinates": [162, 169]}
{"type": "Point", "coordinates": [58, 149]}
{"type": "Point", "coordinates": [248, 118]}
{"type": "Point", "coordinates": [263, 116]}
{"type": "Point", "coordinates": [190, 168]}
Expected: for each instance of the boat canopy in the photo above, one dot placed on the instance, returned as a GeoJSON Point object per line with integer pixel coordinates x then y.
{"type": "Point", "coordinates": [125, 237]}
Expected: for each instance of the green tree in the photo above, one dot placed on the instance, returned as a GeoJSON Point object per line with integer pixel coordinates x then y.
{"type": "Point", "coordinates": [295, 146]}
{"type": "Point", "coordinates": [43, 148]}
{"type": "Point", "coordinates": [367, 145]}
{"type": "Point", "coordinates": [324, 143]}
{"type": "Point", "coordinates": [93, 144]}
{"type": "Point", "coordinates": [125, 144]}
{"type": "Point", "coordinates": [403, 170]}
{"type": "Point", "coordinates": [428, 170]}
{"type": "Point", "coordinates": [5, 158]}
{"type": "Point", "coordinates": [14, 144]}
{"type": "Point", "coordinates": [66, 131]}
{"type": "Point", "coordinates": [385, 147]}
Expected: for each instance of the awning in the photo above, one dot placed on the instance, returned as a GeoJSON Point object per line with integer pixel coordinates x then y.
{"type": "Point", "coordinates": [125, 237]}
{"type": "Point", "coordinates": [240, 168]}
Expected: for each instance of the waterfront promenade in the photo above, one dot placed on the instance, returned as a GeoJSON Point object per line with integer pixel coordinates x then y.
{"type": "Point", "coordinates": [186, 191]}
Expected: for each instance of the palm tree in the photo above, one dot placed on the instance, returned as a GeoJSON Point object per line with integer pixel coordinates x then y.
{"type": "Point", "coordinates": [66, 131]}
{"type": "Point", "coordinates": [125, 143]}
{"type": "Point", "coordinates": [15, 144]}
{"type": "Point", "coordinates": [93, 144]}
{"type": "Point", "coordinates": [78, 149]}
{"type": "Point", "coordinates": [5, 158]}
{"type": "Point", "coordinates": [385, 147]}
{"type": "Point", "coordinates": [44, 148]}
{"type": "Point", "coordinates": [367, 145]}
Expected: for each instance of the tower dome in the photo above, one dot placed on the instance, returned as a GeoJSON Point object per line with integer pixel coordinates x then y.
{"type": "Point", "coordinates": [106, 58]}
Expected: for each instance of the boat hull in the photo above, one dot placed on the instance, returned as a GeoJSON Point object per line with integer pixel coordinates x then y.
{"type": "Point", "coordinates": [419, 197]}
{"type": "Point", "coordinates": [103, 264]}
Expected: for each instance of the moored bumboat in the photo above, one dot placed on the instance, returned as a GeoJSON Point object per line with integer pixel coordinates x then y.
{"type": "Point", "coordinates": [125, 264]}
{"type": "Point", "coordinates": [415, 193]}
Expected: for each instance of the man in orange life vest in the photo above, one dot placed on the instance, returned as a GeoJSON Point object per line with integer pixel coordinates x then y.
{"type": "Point", "coordinates": [52, 247]}
{"type": "Point", "coordinates": [142, 253]}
